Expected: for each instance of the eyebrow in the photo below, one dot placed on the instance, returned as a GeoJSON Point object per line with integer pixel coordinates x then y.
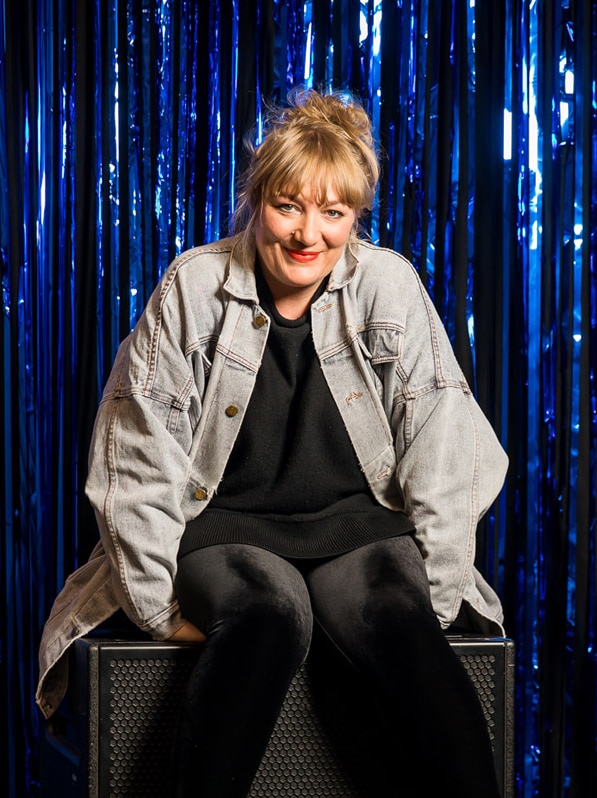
{"type": "Point", "coordinates": [296, 198]}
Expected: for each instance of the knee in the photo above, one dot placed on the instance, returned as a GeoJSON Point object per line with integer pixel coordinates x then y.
{"type": "Point", "coordinates": [278, 617]}
{"type": "Point", "coordinates": [265, 623]}
{"type": "Point", "coordinates": [244, 596]}
{"type": "Point", "coordinates": [399, 617]}
{"type": "Point", "coordinates": [396, 591]}
{"type": "Point", "coordinates": [393, 602]}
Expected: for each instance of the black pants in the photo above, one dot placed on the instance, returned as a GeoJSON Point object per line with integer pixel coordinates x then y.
{"type": "Point", "coordinates": [257, 611]}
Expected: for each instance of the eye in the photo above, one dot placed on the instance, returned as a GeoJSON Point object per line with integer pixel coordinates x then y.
{"type": "Point", "coordinates": [286, 207]}
{"type": "Point", "coordinates": [334, 213]}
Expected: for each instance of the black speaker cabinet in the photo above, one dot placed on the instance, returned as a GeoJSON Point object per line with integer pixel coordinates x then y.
{"type": "Point", "coordinates": [111, 736]}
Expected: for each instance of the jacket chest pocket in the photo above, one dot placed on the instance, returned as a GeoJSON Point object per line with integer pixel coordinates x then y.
{"type": "Point", "coordinates": [381, 346]}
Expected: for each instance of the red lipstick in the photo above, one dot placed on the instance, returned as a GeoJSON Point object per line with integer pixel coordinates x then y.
{"type": "Point", "coordinates": [302, 256]}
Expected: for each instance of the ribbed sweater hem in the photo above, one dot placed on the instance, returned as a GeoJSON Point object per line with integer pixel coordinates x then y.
{"type": "Point", "coordinates": [313, 535]}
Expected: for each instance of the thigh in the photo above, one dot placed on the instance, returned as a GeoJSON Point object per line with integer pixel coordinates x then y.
{"type": "Point", "coordinates": [222, 583]}
{"type": "Point", "coordinates": [370, 596]}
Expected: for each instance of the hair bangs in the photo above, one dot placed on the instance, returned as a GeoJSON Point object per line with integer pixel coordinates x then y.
{"type": "Point", "coordinates": [322, 168]}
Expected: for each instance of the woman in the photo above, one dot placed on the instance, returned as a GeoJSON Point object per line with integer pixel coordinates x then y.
{"type": "Point", "coordinates": [286, 437]}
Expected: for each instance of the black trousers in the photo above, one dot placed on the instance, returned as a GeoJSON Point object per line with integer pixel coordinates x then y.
{"type": "Point", "coordinates": [257, 610]}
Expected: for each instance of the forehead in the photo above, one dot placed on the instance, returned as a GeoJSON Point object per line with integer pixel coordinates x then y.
{"type": "Point", "coordinates": [312, 194]}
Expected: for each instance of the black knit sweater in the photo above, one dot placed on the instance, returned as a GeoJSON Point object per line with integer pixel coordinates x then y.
{"type": "Point", "coordinates": [292, 484]}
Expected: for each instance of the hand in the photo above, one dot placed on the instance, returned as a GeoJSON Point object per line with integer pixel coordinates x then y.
{"type": "Point", "coordinates": [188, 633]}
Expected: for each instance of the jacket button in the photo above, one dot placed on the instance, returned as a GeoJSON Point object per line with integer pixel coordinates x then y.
{"type": "Point", "coordinates": [201, 494]}
{"type": "Point", "coordinates": [260, 320]}
{"type": "Point", "coordinates": [231, 411]}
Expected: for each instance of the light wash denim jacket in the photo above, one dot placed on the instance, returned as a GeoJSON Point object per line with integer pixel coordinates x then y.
{"type": "Point", "coordinates": [175, 401]}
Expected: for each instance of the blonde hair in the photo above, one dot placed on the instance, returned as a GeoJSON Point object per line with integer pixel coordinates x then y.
{"type": "Point", "coordinates": [321, 140]}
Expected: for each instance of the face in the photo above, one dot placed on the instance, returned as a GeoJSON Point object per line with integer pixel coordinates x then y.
{"type": "Point", "coordinates": [299, 242]}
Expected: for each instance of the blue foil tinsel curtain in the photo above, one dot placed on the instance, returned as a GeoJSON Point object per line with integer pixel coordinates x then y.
{"type": "Point", "coordinates": [121, 138]}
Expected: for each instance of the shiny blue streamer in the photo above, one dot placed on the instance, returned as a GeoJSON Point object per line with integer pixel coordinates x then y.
{"type": "Point", "coordinates": [191, 121]}
{"type": "Point", "coordinates": [135, 166]}
{"type": "Point", "coordinates": [416, 113]}
{"type": "Point", "coordinates": [98, 177]}
{"type": "Point", "coordinates": [509, 228]}
{"type": "Point", "coordinates": [112, 257]}
{"type": "Point", "coordinates": [212, 218]}
{"type": "Point", "coordinates": [307, 76]}
{"type": "Point", "coordinates": [6, 488]}
{"type": "Point", "coordinates": [471, 199]}
{"type": "Point", "coordinates": [529, 232]}
{"type": "Point", "coordinates": [591, 238]}
{"type": "Point", "coordinates": [426, 196]}
{"type": "Point", "coordinates": [398, 166]}
{"type": "Point", "coordinates": [297, 36]}
{"type": "Point", "coordinates": [26, 476]}
{"type": "Point", "coordinates": [232, 110]}
{"type": "Point", "coordinates": [370, 44]}
{"type": "Point", "coordinates": [180, 134]}
{"type": "Point", "coordinates": [571, 137]}
{"type": "Point", "coordinates": [165, 135]}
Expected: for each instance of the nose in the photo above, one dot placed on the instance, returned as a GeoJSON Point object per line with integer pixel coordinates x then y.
{"type": "Point", "coordinates": [307, 231]}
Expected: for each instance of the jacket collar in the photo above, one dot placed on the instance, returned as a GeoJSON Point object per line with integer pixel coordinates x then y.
{"type": "Point", "coordinates": [241, 269]}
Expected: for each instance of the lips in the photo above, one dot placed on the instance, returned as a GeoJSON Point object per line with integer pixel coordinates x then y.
{"type": "Point", "coordinates": [302, 256]}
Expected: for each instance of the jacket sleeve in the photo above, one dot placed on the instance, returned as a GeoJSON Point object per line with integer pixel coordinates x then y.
{"type": "Point", "coordinates": [139, 463]}
{"type": "Point", "coordinates": [450, 464]}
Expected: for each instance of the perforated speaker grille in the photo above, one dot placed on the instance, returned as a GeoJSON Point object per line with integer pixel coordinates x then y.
{"type": "Point", "coordinates": [301, 753]}
{"type": "Point", "coordinates": [482, 670]}
{"type": "Point", "coordinates": [311, 744]}
{"type": "Point", "coordinates": [144, 696]}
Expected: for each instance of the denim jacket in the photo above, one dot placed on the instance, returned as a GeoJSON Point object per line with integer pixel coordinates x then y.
{"type": "Point", "coordinates": [176, 398]}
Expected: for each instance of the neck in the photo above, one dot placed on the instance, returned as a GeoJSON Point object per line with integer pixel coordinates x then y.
{"type": "Point", "coordinates": [293, 307]}
{"type": "Point", "coordinates": [291, 303]}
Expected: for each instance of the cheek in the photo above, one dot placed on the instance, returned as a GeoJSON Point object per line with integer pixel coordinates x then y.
{"type": "Point", "coordinates": [341, 237]}
{"type": "Point", "coordinates": [263, 235]}
{"type": "Point", "coordinates": [272, 232]}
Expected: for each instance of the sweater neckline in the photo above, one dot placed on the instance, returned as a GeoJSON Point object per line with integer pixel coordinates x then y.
{"type": "Point", "coordinates": [267, 301]}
